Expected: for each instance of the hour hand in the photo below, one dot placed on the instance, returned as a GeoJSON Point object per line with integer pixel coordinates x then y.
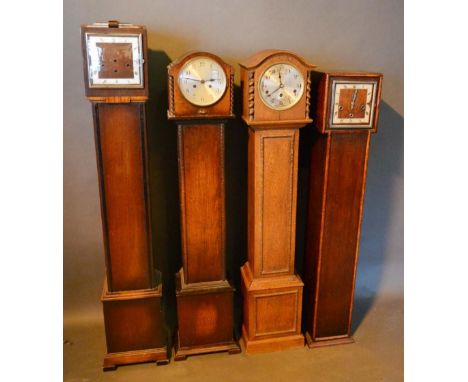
{"type": "Point", "coordinates": [353, 99]}
{"type": "Point", "coordinates": [188, 78]}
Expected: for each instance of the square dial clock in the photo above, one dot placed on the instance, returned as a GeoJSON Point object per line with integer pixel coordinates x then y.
{"type": "Point", "coordinates": [353, 104]}
{"type": "Point", "coordinates": [114, 60]}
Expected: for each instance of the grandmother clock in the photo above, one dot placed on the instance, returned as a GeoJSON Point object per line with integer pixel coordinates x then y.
{"type": "Point", "coordinates": [200, 101]}
{"type": "Point", "coordinates": [116, 83]}
{"type": "Point", "coordinates": [275, 87]}
{"type": "Point", "coordinates": [346, 115]}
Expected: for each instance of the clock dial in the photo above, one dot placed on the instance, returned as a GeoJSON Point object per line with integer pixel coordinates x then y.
{"type": "Point", "coordinates": [114, 61]}
{"type": "Point", "coordinates": [353, 104]}
{"type": "Point", "coordinates": [281, 86]}
{"type": "Point", "coordinates": [202, 81]}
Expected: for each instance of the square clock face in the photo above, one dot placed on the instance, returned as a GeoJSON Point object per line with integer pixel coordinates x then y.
{"type": "Point", "coordinates": [114, 61]}
{"type": "Point", "coordinates": [352, 104]}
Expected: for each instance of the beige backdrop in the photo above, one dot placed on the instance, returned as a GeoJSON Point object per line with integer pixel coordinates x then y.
{"type": "Point", "coordinates": [358, 35]}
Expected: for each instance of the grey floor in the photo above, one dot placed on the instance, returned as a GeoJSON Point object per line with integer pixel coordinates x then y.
{"type": "Point", "coordinates": [377, 355]}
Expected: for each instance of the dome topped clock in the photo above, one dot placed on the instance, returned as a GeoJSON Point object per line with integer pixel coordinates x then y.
{"type": "Point", "coordinates": [276, 88]}
{"type": "Point", "coordinates": [200, 84]}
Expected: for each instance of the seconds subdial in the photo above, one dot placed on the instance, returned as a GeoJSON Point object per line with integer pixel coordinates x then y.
{"type": "Point", "coordinates": [281, 86]}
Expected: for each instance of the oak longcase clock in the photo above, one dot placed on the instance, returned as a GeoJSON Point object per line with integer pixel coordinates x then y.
{"type": "Point", "coordinates": [346, 114]}
{"type": "Point", "coordinates": [116, 83]}
{"type": "Point", "coordinates": [275, 87]}
{"type": "Point", "coordinates": [200, 102]}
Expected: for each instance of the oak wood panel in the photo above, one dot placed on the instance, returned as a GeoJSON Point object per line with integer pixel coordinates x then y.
{"type": "Point", "coordinates": [338, 162]}
{"type": "Point", "coordinates": [346, 178]}
{"type": "Point", "coordinates": [121, 152]}
{"type": "Point", "coordinates": [201, 167]}
{"type": "Point", "coordinates": [278, 200]}
{"type": "Point", "coordinates": [272, 308]}
{"type": "Point", "coordinates": [320, 146]}
{"type": "Point", "coordinates": [283, 320]}
{"type": "Point", "coordinates": [133, 324]}
{"type": "Point", "coordinates": [209, 318]}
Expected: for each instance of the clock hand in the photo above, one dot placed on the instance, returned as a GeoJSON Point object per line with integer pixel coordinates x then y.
{"type": "Point", "coordinates": [274, 91]}
{"type": "Point", "coordinates": [193, 79]}
{"type": "Point", "coordinates": [353, 99]}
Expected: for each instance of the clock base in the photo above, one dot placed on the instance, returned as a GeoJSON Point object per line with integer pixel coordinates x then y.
{"type": "Point", "coordinates": [272, 312]}
{"type": "Point", "coordinates": [271, 344]}
{"type": "Point", "coordinates": [134, 324]}
{"type": "Point", "coordinates": [181, 354]}
{"type": "Point", "coordinates": [330, 341]}
{"type": "Point", "coordinates": [113, 360]}
{"type": "Point", "coordinates": [205, 318]}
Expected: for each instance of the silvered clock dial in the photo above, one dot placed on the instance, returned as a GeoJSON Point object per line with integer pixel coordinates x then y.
{"type": "Point", "coordinates": [114, 60]}
{"type": "Point", "coordinates": [202, 81]}
{"type": "Point", "coordinates": [281, 86]}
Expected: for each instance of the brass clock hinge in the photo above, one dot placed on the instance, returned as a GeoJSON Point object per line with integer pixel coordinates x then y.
{"type": "Point", "coordinates": [251, 94]}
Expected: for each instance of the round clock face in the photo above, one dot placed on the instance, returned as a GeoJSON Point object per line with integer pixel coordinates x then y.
{"type": "Point", "coordinates": [202, 81]}
{"type": "Point", "coordinates": [281, 86]}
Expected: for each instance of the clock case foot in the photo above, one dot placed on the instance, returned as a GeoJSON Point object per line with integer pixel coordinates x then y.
{"type": "Point", "coordinates": [205, 318]}
{"type": "Point", "coordinates": [181, 354]}
{"type": "Point", "coordinates": [134, 325]}
{"type": "Point", "coordinates": [329, 341]}
{"type": "Point", "coordinates": [113, 360]}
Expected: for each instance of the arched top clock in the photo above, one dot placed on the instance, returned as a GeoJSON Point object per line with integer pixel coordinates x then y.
{"type": "Point", "coordinates": [276, 88]}
{"type": "Point", "coordinates": [200, 86]}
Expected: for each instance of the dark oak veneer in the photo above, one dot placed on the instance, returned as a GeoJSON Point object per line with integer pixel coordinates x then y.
{"type": "Point", "coordinates": [338, 165]}
{"type": "Point", "coordinates": [272, 291]}
{"type": "Point", "coordinates": [204, 296]}
{"type": "Point", "coordinates": [132, 294]}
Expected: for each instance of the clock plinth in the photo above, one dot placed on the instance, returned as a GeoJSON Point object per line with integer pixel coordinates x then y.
{"type": "Point", "coordinates": [272, 312]}
{"type": "Point", "coordinates": [210, 308]}
{"type": "Point", "coordinates": [200, 101]}
{"type": "Point", "coordinates": [135, 331]}
{"type": "Point", "coordinates": [347, 114]}
{"type": "Point", "coordinates": [116, 84]}
{"type": "Point", "coordinates": [276, 88]}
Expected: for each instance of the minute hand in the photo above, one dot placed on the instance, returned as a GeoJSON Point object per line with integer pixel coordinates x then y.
{"type": "Point", "coordinates": [193, 79]}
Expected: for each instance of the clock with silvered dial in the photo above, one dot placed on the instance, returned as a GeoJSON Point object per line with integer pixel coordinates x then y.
{"type": "Point", "coordinates": [281, 86]}
{"type": "Point", "coordinates": [114, 60]}
{"type": "Point", "coordinates": [202, 81]}
{"type": "Point", "coordinates": [353, 103]}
